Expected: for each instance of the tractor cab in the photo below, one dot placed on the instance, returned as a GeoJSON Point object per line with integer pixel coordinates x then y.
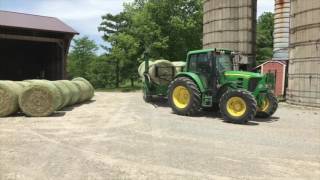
{"type": "Point", "coordinates": [212, 78]}
{"type": "Point", "coordinates": [209, 64]}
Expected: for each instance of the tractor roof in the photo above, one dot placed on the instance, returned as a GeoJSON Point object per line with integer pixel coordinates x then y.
{"type": "Point", "coordinates": [208, 50]}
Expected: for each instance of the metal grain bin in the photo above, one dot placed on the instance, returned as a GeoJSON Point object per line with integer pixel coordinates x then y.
{"type": "Point", "coordinates": [281, 30]}
{"type": "Point", "coordinates": [230, 24]}
{"type": "Point", "coordinates": [304, 66]}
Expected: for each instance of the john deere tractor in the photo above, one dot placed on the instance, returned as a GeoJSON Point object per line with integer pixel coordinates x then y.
{"type": "Point", "coordinates": [210, 80]}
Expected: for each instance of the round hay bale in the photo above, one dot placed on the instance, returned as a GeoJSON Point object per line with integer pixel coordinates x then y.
{"type": "Point", "coordinates": [23, 83]}
{"type": "Point", "coordinates": [142, 68]}
{"type": "Point", "coordinates": [65, 91]}
{"type": "Point", "coordinates": [88, 84]}
{"type": "Point", "coordinates": [179, 65]}
{"type": "Point", "coordinates": [74, 92]}
{"type": "Point", "coordinates": [166, 71]}
{"type": "Point", "coordinates": [40, 99]}
{"type": "Point", "coordinates": [9, 95]}
{"type": "Point", "coordinates": [84, 90]}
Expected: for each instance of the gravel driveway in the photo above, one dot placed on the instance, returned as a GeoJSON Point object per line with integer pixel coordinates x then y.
{"type": "Point", "coordinates": [118, 136]}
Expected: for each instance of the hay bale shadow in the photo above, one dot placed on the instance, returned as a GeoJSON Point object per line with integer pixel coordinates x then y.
{"type": "Point", "coordinates": [70, 108]}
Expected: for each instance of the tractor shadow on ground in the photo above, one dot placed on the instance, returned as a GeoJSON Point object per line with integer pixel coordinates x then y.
{"type": "Point", "coordinates": [214, 114]}
{"type": "Point", "coordinates": [159, 102]}
{"type": "Point", "coordinates": [256, 121]}
{"type": "Point", "coordinates": [267, 120]}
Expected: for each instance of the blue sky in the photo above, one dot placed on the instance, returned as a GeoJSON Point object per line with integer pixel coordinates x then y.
{"type": "Point", "coordinates": [83, 15]}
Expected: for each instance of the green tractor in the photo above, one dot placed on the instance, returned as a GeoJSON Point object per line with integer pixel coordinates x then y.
{"type": "Point", "coordinates": [210, 80]}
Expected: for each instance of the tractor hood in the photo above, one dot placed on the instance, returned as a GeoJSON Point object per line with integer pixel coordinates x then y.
{"type": "Point", "coordinates": [242, 74]}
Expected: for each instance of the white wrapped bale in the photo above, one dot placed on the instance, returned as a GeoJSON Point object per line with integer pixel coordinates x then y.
{"type": "Point", "coordinates": [142, 68]}
{"type": "Point", "coordinates": [165, 74]}
{"type": "Point", "coordinates": [179, 65]}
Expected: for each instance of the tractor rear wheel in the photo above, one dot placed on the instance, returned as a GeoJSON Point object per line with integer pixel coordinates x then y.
{"type": "Point", "coordinates": [184, 97]}
{"type": "Point", "coordinates": [269, 106]}
{"type": "Point", "coordinates": [238, 106]}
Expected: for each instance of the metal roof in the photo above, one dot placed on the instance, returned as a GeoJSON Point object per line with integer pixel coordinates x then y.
{"type": "Point", "coordinates": [34, 22]}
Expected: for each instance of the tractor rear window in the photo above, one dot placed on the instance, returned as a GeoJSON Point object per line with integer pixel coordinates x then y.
{"type": "Point", "coordinates": [224, 63]}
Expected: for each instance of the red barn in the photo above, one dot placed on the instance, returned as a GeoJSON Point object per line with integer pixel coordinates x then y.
{"type": "Point", "coordinates": [278, 68]}
{"type": "Point", "coordinates": [33, 47]}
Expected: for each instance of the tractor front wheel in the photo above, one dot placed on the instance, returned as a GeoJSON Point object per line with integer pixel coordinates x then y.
{"type": "Point", "coordinates": [238, 106]}
{"type": "Point", "coordinates": [269, 106]}
{"type": "Point", "coordinates": [184, 97]}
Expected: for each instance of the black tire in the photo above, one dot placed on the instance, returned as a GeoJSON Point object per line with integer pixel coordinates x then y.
{"type": "Point", "coordinates": [194, 105]}
{"type": "Point", "coordinates": [273, 106]}
{"type": "Point", "coordinates": [250, 106]}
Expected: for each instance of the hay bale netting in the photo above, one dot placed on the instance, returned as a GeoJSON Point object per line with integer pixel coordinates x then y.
{"type": "Point", "coordinates": [88, 83]}
{"type": "Point", "coordinates": [9, 95]}
{"type": "Point", "coordinates": [85, 91]}
{"type": "Point", "coordinates": [179, 65]}
{"type": "Point", "coordinates": [74, 90]}
{"type": "Point", "coordinates": [65, 91]}
{"type": "Point", "coordinates": [40, 99]}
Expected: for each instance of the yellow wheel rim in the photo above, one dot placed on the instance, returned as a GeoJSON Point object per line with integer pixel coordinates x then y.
{"type": "Point", "coordinates": [265, 105]}
{"type": "Point", "coordinates": [181, 97]}
{"type": "Point", "coordinates": [236, 106]}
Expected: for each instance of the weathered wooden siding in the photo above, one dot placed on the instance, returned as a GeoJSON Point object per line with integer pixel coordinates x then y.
{"type": "Point", "coordinates": [304, 66]}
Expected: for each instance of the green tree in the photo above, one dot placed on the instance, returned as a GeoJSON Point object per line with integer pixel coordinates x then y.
{"type": "Point", "coordinates": [101, 73]}
{"type": "Point", "coordinates": [163, 28]}
{"type": "Point", "coordinates": [82, 54]}
{"type": "Point", "coordinates": [265, 28]}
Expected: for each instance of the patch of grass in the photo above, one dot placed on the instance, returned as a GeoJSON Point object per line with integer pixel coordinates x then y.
{"type": "Point", "coordinates": [125, 87]}
{"type": "Point", "coordinates": [120, 89]}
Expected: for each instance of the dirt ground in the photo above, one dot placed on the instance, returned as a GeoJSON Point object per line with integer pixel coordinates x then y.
{"type": "Point", "coordinates": [118, 136]}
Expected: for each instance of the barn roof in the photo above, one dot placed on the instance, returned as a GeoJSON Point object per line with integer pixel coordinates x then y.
{"type": "Point", "coordinates": [34, 22]}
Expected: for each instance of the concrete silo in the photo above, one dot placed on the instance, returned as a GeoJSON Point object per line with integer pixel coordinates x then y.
{"type": "Point", "coordinates": [231, 24]}
{"type": "Point", "coordinates": [304, 64]}
{"type": "Point", "coordinates": [281, 30]}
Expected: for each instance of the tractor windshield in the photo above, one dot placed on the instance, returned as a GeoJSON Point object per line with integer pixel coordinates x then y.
{"type": "Point", "coordinates": [224, 63]}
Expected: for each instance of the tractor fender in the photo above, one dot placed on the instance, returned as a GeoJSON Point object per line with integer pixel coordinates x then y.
{"type": "Point", "coordinates": [224, 88]}
{"type": "Point", "coordinates": [195, 78]}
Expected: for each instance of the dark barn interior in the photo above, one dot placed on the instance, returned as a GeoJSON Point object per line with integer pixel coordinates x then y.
{"type": "Point", "coordinates": [30, 60]}
{"type": "Point", "coordinates": [36, 48]}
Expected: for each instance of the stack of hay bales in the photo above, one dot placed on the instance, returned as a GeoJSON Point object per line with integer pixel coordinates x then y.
{"type": "Point", "coordinates": [40, 98]}
{"type": "Point", "coordinates": [163, 76]}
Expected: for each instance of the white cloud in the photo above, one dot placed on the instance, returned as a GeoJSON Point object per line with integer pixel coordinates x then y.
{"type": "Point", "coordinates": [79, 9]}
{"type": "Point", "coordinates": [83, 15]}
